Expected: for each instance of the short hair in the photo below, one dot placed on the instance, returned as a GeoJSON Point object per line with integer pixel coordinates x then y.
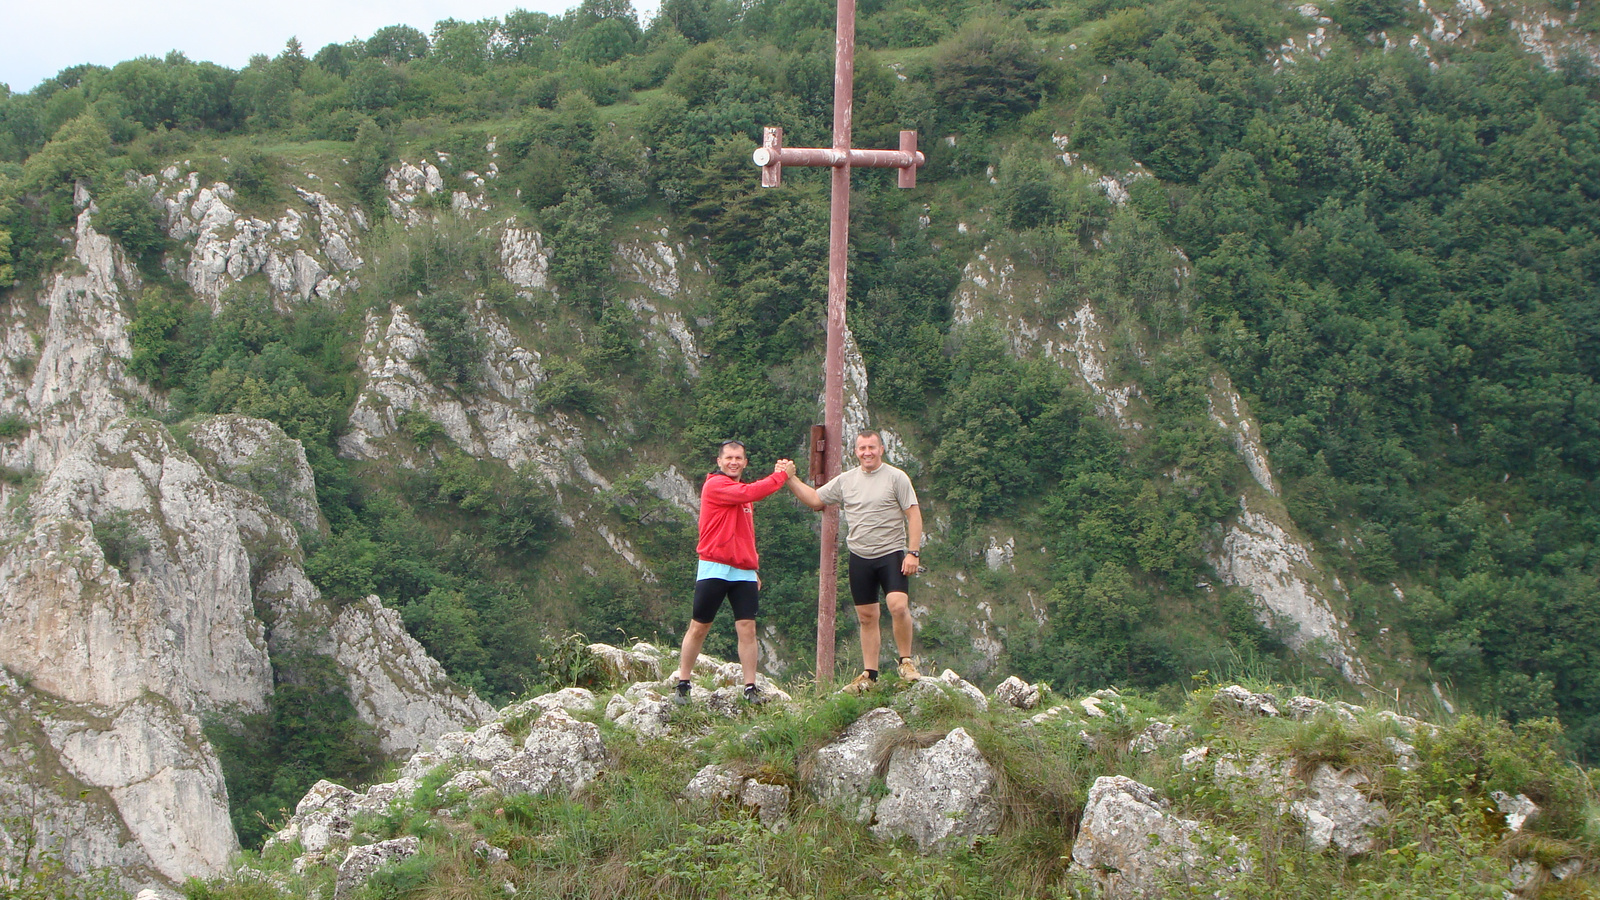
{"type": "Point", "coordinates": [722, 447]}
{"type": "Point", "coordinates": [869, 433]}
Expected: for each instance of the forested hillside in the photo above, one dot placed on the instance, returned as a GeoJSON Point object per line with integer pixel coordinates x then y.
{"type": "Point", "coordinates": [1390, 247]}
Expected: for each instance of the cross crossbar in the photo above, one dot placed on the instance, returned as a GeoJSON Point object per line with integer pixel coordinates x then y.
{"type": "Point", "coordinates": [772, 156]}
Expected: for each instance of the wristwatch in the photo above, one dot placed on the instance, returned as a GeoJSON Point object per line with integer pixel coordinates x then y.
{"type": "Point", "coordinates": [914, 553]}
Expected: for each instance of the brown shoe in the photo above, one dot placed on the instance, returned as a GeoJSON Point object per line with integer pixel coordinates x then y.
{"type": "Point", "coordinates": [908, 670]}
{"type": "Point", "coordinates": [860, 685]}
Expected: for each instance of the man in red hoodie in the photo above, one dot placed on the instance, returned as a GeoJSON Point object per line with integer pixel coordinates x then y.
{"type": "Point", "coordinates": [728, 561]}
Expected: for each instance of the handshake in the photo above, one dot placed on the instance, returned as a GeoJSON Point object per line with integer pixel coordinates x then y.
{"type": "Point", "coordinates": [785, 466]}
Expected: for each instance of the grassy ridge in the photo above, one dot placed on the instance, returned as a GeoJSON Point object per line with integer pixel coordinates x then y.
{"type": "Point", "coordinates": [629, 834]}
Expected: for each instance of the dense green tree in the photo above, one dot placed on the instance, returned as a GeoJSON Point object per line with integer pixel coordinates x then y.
{"type": "Point", "coordinates": [77, 152]}
{"type": "Point", "coordinates": [987, 71]}
{"type": "Point", "coordinates": [397, 43]}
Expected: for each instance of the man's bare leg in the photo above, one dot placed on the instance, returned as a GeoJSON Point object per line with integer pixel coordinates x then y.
{"type": "Point", "coordinates": [900, 621]}
{"type": "Point", "coordinates": [871, 639]}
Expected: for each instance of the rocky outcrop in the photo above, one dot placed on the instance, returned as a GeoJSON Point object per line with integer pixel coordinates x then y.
{"type": "Point", "coordinates": [397, 688]}
{"type": "Point", "coordinates": [255, 455]}
{"type": "Point", "coordinates": [66, 354]}
{"type": "Point", "coordinates": [559, 756]}
{"type": "Point", "coordinates": [942, 797]}
{"type": "Point", "coordinates": [769, 802]}
{"type": "Point", "coordinates": [947, 684]}
{"type": "Point", "coordinates": [499, 420]}
{"type": "Point", "coordinates": [524, 258]}
{"type": "Point", "coordinates": [298, 253]}
{"type": "Point", "coordinates": [1336, 811]}
{"type": "Point", "coordinates": [1257, 554]}
{"type": "Point", "coordinates": [992, 289]}
{"type": "Point", "coordinates": [1130, 844]}
{"type": "Point", "coordinates": [1018, 694]}
{"type": "Point", "coordinates": [409, 182]}
{"type": "Point", "coordinates": [131, 786]}
{"type": "Point", "coordinates": [841, 772]}
{"type": "Point", "coordinates": [1229, 411]}
{"type": "Point", "coordinates": [361, 863]}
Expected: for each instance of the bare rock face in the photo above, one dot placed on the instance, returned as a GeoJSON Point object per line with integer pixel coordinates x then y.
{"type": "Point", "coordinates": [841, 772]}
{"type": "Point", "coordinates": [1336, 811]}
{"type": "Point", "coordinates": [1257, 554]}
{"type": "Point", "coordinates": [524, 258]}
{"type": "Point", "coordinates": [942, 797]}
{"type": "Point", "coordinates": [770, 802]}
{"type": "Point", "coordinates": [66, 356]}
{"type": "Point", "coordinates": [133, 786]}
{"type": "Point", "coordinates": [361, 863]}
{"type": "Point", "coordinates": [297, 252]}
{"type": "Point", "coordinates": [255, 455]}
{"type": "Point", "coordinates": [176, 619]}
{"type": "Point", "coordinates": [1018, 694]}
{"type": "Point", "coordinates": [395, 685]}
{"type": "Point", "coordinates": [131, 599]}
{"type": "Point", "coordinates": [1129, 843]}
{"type": "Point", "coordinates": [500, 420]}
{"type": "Point", "coordinates": [1229, 412]}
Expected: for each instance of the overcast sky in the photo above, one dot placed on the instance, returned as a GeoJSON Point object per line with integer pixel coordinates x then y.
{"type": "Point", "coordinates": [41, 37]}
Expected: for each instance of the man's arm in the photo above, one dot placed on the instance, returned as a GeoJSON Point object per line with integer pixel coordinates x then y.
{"type": "Point", "coordinates": [805, 492]}
{"type": "Point", "coordinates": [909, 565]}
{"type": "Point", "coordinates": [727, 492]}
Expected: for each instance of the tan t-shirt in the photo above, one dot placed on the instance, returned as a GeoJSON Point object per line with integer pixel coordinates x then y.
{"type": "Point", "coordinates": [874, 505]}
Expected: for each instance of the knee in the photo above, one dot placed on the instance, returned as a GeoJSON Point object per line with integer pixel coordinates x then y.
{"type": "Point", "coordinates": [698, 629]}
{"type": "Point", "coordinates": [899, 604]}
{"type": "Point", "coordinates": [745, 629]}
{"type": "Point", "coordinates": [867, 614]}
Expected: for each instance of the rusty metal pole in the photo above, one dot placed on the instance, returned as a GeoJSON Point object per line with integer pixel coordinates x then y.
{"type": "Point", "coordinates": [844, 73]}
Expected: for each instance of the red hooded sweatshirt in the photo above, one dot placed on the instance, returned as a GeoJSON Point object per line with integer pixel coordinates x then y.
{"type": "Point", "coordinates": [727, 518]}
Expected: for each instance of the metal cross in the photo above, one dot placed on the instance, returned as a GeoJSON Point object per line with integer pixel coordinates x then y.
{"type": "Point", "coordinates": [772, 156]}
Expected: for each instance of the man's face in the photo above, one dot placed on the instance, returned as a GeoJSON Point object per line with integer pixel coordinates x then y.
{"type": "Point", "coordinates": [732, 461]}
{"type": "Point", "coordinates": [870, 451]}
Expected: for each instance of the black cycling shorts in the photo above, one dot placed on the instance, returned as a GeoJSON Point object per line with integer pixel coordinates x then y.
{"type": "Point", "coordinates": [867, 576]}
{"type": "Point", "coordinates": [743, 596]}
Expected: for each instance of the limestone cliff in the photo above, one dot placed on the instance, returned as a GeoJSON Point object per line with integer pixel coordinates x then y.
{"type": "Point", "coordinates": [147, 580]}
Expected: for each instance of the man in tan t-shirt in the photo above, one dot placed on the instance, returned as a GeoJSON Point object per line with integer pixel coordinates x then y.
{"type": "Point", "coordinates": [884, 536]}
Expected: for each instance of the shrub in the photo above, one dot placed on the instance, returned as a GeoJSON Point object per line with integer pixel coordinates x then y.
{"type": "Point", "coordinates": [120, 539]}
{"type": "Point", "coordinates": [453, 355]}
{"type": "Point", "coordinates": [13, 425]}
{"type": "Point", "coordinates": [253, 174]}
{"type": "Point", "coordinates": [129, 214]}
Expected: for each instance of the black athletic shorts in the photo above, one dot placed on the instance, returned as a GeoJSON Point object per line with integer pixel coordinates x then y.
{"type": "Point", "coordinates": [867, 576]}
{"type": "Point", "coordinates": [743, 596]}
